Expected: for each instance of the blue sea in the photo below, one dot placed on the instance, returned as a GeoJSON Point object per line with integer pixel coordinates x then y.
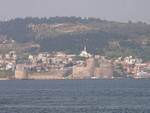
{"type": "Point", "coordinates": [75, 96]}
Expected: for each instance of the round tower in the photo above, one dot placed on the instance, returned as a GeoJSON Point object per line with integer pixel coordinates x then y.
{"type": "Point", "coordinates": [90, 64]}
{"type": "Point", "coordinates": [20, 72]}
{"type": "Point", "coordinates": [106, 70]}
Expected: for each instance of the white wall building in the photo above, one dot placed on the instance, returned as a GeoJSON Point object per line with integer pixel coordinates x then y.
{"type": "Point", "coordinates": [84, 53]}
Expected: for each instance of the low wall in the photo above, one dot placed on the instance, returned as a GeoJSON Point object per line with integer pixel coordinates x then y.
{"type": "Point", "coordinates": [53, 74]}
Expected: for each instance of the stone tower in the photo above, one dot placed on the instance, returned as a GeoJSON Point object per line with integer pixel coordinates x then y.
{"type": "Point", "coordinates": [105, 70]}
{"type": "Point", "coordinates": [90, 64]}
{"type": "Point", "coordinates": [20, 72]}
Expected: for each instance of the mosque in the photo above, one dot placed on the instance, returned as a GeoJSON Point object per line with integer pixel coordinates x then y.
{"type": "Point", "coordinates": [84, 53]}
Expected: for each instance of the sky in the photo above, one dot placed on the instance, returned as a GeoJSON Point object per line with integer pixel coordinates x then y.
{"type": "Point", "coordinates": [112, 10]}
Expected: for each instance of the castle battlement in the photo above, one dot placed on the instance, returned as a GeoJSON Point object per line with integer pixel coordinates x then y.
{"type": "Point", "coordinates": [94, 68]}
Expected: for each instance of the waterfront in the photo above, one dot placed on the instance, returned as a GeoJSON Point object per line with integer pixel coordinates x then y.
{"type": "Point", "coordinates": [75, 96]}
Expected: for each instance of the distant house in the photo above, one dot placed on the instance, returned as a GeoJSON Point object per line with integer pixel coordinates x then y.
{"type": "Point", "coordinates": [13, 41]}
{"type": "Point", "coordinates": [60, 54]}
{"type": "Point", "coordinates": [40, 56]}
{"type": "Point", "coordinates": [7, 56]}
{"type": "Point", "coordinates": [1, 56]}
{"type": "Point", "coordinates": [2, 61]}
{"type": "Point", "coordinates": [10, 66]}
{"type": "Point", "coordinates": [14, 56]}
{"type": "Point", "coordinates": [129, 60]}
{"type": "Point", "coordinates": [30, 57]}
{"type": "Point", "coordinates": [53, 60]}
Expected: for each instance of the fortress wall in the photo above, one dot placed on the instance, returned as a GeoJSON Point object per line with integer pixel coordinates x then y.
{"type": "Point", "coordinates": [95, 68]}
{"type": "Point", "coordinates": [97, 72]}
{"type": "Point", "coordinates": [81, 72]}
{"type": "Point", "coordinates": [90, 63]}
{"type": "Point", "coordinates": [43, 77]}
{"type": "Point", "coordinates": [21, 74]}
{"type": "Point", "coordinates": [104, 71]}
{"type": "Point", "coordinates": [53, 74]}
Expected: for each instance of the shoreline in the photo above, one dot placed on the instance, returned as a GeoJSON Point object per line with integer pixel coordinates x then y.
{"type": "Point", "coordinates": [1, 79]}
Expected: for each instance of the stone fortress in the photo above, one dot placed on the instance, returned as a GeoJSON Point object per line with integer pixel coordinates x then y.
{"type": "Point", "coordinates": [93, 67]}
{"type": "Point", "coordinates": [90, 68]}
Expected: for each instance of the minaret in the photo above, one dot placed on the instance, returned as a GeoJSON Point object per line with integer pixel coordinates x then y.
{"type": "Point", "coordinates": [84, 48]}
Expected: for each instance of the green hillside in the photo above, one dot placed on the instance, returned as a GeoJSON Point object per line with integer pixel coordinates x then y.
{"type": "Point", "coordinates": [70, 34]}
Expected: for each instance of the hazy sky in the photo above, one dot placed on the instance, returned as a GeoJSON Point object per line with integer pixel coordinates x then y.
{"type": "Point", "coordinates": [115, 10]}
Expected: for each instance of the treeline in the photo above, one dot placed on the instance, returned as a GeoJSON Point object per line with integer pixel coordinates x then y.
{"type": "Point", "coordinates": [18, 29]}
{"type": "Point", "coordinates": [125, 38]}
{"type": "Point", "coordinates": [95, 42]}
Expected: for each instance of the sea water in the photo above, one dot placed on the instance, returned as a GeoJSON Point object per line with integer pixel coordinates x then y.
{"type": "Point", "coordinates": [75, 96]}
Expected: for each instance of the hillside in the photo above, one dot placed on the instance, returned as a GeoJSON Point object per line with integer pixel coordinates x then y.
{"type": "Point", "coordinates": [70, 34]}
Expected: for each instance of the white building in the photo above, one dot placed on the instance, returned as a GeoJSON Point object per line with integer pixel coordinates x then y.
{"type": "Point", "coordinates": [129, 60]}
{"type": "Point", "coordinates": [10, 66]}
{"type": "Point", "coordinates": [84, 53]}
